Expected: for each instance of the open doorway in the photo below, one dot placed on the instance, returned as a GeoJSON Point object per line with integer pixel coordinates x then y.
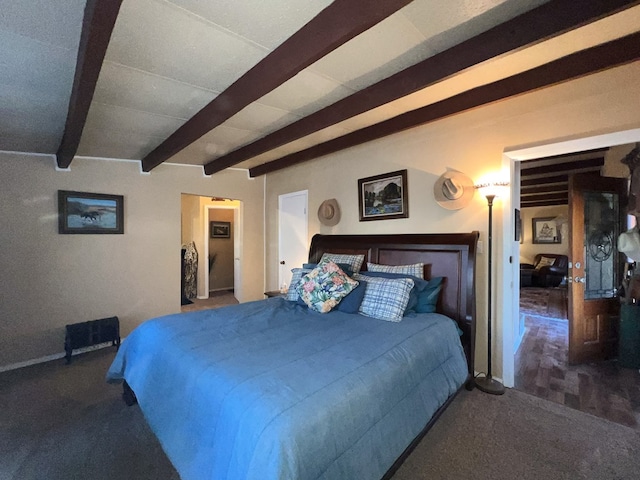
{"type": "Point", "coordinates": [211, 236]}
{"type": "Point", "coordinates": [541, 360]}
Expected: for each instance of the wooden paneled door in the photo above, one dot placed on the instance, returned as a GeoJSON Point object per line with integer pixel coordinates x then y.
{"type": "Point", "coordinates": [596, 216]}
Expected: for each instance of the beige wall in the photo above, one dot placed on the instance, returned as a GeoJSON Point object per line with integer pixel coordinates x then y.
{"type": "Point", "coordinates": [528, 249]}
{"type": "Point", "coordinates": [474, 143]}
{"type": "Point", "coordinates": [49, 280]}
{"type": "Point", "coordinates": [190, 216]}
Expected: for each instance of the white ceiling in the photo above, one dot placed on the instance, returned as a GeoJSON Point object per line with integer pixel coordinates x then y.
{"type": "Point", "coordinates": [169, 58]}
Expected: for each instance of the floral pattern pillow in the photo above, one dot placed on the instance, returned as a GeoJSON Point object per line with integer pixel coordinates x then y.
{"type": "Point", "coordinates": [324, 286]}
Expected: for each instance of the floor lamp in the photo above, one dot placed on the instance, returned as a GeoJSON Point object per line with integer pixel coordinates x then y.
{"type": "Point", "coordinates": [487, 383]}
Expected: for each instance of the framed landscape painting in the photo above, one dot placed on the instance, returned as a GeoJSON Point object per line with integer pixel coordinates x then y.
{"type": "Point", "coordinates": [90, 213]}
{"type": "Point", "coordinates": [383, 197]}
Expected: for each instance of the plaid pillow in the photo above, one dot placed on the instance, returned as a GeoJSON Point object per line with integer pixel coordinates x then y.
{"type": "Point", "coordinates": [385, 298]}
{"type": "Point", "coordinates": [355, 261]}
{"type": "Point", "coordinates": [416, 270]}
{"type": "Point", "coordinates": [292, 293]}
{"type": "Point", "coordinates": [324, 286]}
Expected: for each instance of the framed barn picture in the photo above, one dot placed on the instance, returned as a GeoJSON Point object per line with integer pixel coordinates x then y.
{"type": "Point", "coordinates": [90, 213]}
{"type": "Point", "coordinates": [383, 197]}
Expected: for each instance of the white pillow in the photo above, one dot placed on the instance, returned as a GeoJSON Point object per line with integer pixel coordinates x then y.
{"type": "Point", "coordinates": [546, 262]}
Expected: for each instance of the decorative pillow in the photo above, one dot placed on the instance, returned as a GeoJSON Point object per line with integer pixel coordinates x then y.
{"type": "Point", "coordinates": [292, 293]}
{"type": "Point", "coordinates": [324, 286]}
{"type": "Point", "coordinates": [419, 285]}
{"type": "Point", "coordinates": [346, 268]}
{"type": "Point", "coordinates": [546, 262]}
{"type": "Point", "coordinates": [349, 304]}
{"type": "Point", "coordinates": [385, 298]}
{"type": "Point", "coordinates": [415, 270]}
{"type": "Point", "coordinates": [428, 297]}
{"type": "Point", "coordinates": [355, 261]}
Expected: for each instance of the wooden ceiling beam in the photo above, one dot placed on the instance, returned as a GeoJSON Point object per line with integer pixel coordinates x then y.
{"type": "Point", "coordinates": [546, 21]}
{"type": "Point", "coordinates": [543, 204]}
{"type": "Point", "coordinates": [97, 26]}
{"type": "Point", "coordinates": [608, 55]}
{"type": "Point", "coordinates": [541, 177]}
{"type": "Point", "coordinates": [534, 182]}
{"type": "Point", "coordinates": [578, 165]}
{"type": "Point", "coordinates": [332, 27]}
{"type": "Point", "coordinates": [549, 197]}
{"type": "Point", "coordinates": [557, 187]}
{"type": "Point", "coordinates": [565, 157]}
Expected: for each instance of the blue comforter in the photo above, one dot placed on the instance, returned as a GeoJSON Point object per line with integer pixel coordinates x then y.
{"type": "Point", "coordinates": [270, 390]}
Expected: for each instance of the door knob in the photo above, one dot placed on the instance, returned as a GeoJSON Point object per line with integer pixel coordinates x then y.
{"type": "Point", "coordinates": [281, 262]}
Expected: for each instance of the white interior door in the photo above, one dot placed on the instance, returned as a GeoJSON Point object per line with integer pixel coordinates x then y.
{"type": "Point", "coordinates": [293, 237]}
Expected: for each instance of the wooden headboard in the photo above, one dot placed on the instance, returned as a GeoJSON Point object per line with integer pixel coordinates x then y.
{"type": "Point", "coordinates": [449, 255]}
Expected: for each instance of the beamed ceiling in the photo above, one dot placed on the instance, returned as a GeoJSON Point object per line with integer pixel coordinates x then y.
{"type": "Point", "coordinates": [264, 85]}
{"type": "Point", "coordinates": [545, 182]}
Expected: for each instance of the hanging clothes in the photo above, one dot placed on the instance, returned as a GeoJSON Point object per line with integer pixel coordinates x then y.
{"type": "Point", "coordinates": [190, 270]}
{"type": "Point", "coordinates": [632, 160]}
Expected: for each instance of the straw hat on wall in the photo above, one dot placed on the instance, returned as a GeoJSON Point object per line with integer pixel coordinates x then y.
{"type": "Point", "coordinates": [329, 212]}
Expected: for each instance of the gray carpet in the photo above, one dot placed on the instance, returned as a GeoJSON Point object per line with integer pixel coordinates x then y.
{"type": "Point", "coordinates": [64, 422]}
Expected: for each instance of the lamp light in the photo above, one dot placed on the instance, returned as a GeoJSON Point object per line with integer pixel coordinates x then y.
{"type": "Point", "coordinates": [490, 190]}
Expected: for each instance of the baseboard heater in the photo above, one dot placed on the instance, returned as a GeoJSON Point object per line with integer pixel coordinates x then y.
{"type": "Point", "coordinates": [94, 332]}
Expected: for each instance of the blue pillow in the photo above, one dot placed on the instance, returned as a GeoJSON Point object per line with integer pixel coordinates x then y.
{"type": "Point", "coordinates": [428, 298]}
{"type": "Point", "coordinates": [349, 304]}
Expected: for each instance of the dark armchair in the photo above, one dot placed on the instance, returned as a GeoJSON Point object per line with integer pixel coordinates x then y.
{"type": "Point", "coordinates": [548, 270]}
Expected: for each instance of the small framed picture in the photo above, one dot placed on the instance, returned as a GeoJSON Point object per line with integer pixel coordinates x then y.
{"type": "Point", "coordinates": [383, 197]}
{"type": "Point", "coordinates": [220, 229]}
{"type": "Point", "coordinates": [545, 230]}
{"type": "Point", "coordinates": [90, 213]}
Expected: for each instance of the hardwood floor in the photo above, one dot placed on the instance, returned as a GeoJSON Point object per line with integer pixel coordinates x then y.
{"type": "Point", "coordinates": [604, 389]}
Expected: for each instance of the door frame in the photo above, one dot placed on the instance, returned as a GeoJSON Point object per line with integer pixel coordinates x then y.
{"type": "Point", "coordinates": [237, 242]}
{"type": "Point", "coordinates": [510, 278]}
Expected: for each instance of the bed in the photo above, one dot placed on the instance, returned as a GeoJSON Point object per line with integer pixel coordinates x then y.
{"type": "Point", "coordinates": [271, 389]}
